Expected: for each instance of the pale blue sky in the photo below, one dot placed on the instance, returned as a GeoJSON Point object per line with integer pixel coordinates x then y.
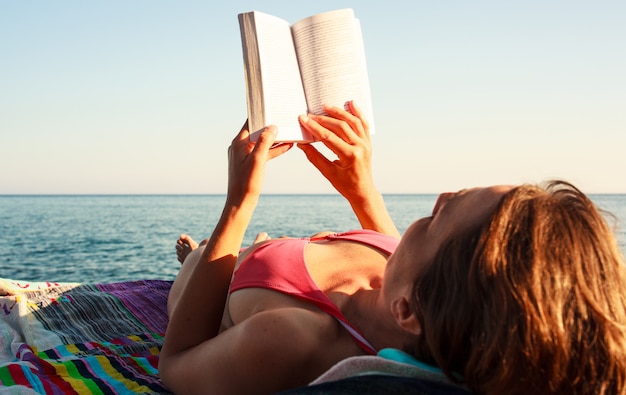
{"type": "Point", "coordinates": [144, 96]}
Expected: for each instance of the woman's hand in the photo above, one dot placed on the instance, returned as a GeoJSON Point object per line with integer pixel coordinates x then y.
{"type": "Point", "coordinates": [247, 160]}
{"type": "Point", "coordinates": [346, 134]}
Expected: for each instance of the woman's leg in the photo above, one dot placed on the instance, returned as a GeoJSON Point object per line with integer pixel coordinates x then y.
{"type": "Point", "coordinates": [188, 253]}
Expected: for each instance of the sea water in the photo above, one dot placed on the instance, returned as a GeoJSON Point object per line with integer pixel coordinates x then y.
{"type": "Point", "coordinates": [117, 238]}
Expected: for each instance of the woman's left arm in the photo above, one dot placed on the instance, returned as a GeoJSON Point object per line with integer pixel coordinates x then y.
{"type": "Point", "coordinates": [346, 133]}
{"type": "Point", "coordinates": [198, 313]}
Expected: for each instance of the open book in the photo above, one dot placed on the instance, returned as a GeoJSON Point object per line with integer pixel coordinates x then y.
{"type": "Point", "coordinates": [292, 70]}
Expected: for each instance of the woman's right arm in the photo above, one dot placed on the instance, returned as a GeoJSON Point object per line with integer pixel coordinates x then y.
{"type": "Point", "coordinates": [346, 133]}
{"type": "Point", "coordinates": [196, 318]}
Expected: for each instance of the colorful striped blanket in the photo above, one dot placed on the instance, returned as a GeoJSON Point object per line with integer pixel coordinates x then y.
{"type": "Point", "coordinates": [62, 338]}
{"type": "Point", "coordinates": [69, 338]}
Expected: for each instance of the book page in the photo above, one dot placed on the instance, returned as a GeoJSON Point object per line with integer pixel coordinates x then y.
{"type": "Point", "coordinates": [332, 62]}
{"type": "Point", "coordinates": [282, 93]}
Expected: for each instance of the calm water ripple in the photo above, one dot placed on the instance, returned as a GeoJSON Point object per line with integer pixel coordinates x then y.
{"type": "Point", "coordinates": [118, 238]}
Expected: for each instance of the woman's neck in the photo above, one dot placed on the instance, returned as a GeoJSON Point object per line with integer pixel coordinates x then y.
{"type": "Point", "coordinates": [371, 315]}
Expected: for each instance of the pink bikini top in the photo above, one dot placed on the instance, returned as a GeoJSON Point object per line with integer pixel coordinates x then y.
{"type": "Point", "coordinates": [279, 265]}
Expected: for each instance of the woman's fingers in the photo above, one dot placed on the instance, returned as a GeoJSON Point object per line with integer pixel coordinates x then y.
{"type": "Point", "coordinates": [324, 130]}
{"type": "Point", "coordinates": [352, 125]}
{"type": "Point", "coordinates": [243, 135]}
{"type": "Point", "coordinates": [266, 139]}
{"type": "Point", "coordinates": [318, 160]}
{"type": "Point", "coordinates": [247, 160]}
{"type": "Point", "coordinates": [265, 145]}
{"type": "Point", "coordinates": [340, 130]}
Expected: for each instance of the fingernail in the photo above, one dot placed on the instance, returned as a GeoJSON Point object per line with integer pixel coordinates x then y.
{"type": "Point", "coordinates": [304, 118]}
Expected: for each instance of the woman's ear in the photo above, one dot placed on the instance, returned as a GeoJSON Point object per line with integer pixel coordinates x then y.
{"type": "Point", "coordinates": [404, 316]}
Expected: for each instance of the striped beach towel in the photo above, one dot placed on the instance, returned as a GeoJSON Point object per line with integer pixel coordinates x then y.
{"type": "Point", "coordinates": [62, 338]}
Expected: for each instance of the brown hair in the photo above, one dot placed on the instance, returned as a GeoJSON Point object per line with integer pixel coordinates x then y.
{"type": "Point", "coordinates": [533, 301]}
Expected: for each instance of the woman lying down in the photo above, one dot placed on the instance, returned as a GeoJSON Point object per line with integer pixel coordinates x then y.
{"type": "Point", "coordinates": [507, 289]}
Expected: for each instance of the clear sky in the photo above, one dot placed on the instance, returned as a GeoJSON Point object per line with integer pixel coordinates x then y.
{"type": "Point", "coordinates": [144, 96]}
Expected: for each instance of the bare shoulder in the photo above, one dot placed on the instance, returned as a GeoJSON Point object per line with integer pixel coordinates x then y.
{"type": "Point", "coordinates": [268, 352]}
